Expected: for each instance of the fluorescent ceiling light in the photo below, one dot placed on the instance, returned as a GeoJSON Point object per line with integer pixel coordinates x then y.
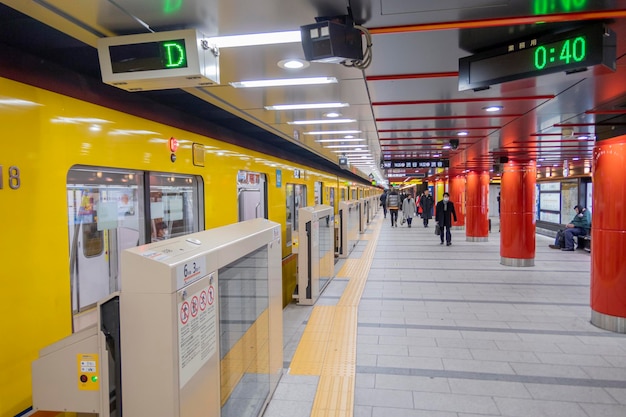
{"type": "Point", "coordinates": [270, 38]}
{"type": "Point", "coordinates": [306, 106]}
{"type": "Point", "coordinates": [340, 140]}
{"type": "Point", "coordinates": [343, 146]}
{"type": "Point", "coordinates": [492, 108]}
{"type": "Point", "coordinates": [281, 82]}
{"type": "Point", "coordinates": [350, 151]}
{"type": "Point", "coordinates": [332, 132]}
{"type": "Point", "coordinates": [321, 121]}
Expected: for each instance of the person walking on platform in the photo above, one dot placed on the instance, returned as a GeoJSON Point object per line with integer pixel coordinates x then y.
{"type": "Point", "coordinates": [409, 209]}
{"type": "Point", "coordinates": [383, 202]}
{"type": "Point", "coordinates": [393, 204]}
{"type": "Point", "coordinates": [579, 226]}
{"type": "Point", "coordinates": [427, 203]}
{"type": "Point", "coordinates": [443, 216]}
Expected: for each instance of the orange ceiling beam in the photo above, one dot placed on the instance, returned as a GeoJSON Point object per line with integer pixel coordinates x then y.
{"type": "Point", "coordinates": [503, 21]}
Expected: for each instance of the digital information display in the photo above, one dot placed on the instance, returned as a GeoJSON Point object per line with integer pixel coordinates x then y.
{"type": "Point", "coordinates": [148, 56]}
{"type": "Point", "coordinates": [566, 51]}
{"type": "Point", "coordinates": [416, 163]}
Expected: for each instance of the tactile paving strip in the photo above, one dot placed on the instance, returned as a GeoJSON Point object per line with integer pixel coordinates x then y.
{"type": "Point", "coordinates": [328, 345]}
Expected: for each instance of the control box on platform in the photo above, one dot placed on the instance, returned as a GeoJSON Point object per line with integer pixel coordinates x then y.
{"type": "Point", "coordinates": [316, 255]}
{"type": "Point", "coordinates": [164, 345]}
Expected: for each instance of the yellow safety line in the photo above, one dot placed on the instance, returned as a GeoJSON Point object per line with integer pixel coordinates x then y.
{"type": "Point", "coordinates": [328, 344]}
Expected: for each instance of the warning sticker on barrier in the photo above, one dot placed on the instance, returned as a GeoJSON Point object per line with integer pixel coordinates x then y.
{"type": "Point", "coordinates": [197, 331]}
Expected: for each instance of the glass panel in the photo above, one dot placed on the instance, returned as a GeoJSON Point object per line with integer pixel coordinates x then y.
{"type": "Point", "coordinates": [299, 201]}
{"type": "Point", "coordinates": [244, 335]}
{"type": "Point", "coordinates": [290, 212]}
{"type": "Point", "coordinates": [174, 206]}
{"type": "Point", "coordinates": [104, 213]}
{"type": "Point", "coordinates": [326, 250]}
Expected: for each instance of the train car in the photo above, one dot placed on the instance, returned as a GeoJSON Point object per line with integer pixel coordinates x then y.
{"type": "Point", "coordinates": [80, 182]}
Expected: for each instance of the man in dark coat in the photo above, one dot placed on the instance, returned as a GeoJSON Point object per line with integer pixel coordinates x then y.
{"type": "Point", "coordinates": [443, 216]}
{"type": "Point", "coordinates": [426, 203]}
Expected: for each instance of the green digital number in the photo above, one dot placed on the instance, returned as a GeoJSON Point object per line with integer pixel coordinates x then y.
{"type": "Point", "coordinates": [579, 49]}
{"type": "Point", "coordinates": [541, 57]}
{"type": "Point", "coordinates": [565, 55]}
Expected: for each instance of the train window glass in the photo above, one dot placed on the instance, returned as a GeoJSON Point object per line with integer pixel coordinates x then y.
{"type": "Point", "coordinates": [251, 195]}
{"type": "Point", "coordinates": [104, 217]}
{"type": "Point", "coordinates": [343, 194]}
{"type": "Point", "coordinates": [174, 205]}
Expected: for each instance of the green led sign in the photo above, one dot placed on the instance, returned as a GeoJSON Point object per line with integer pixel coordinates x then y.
{"type": "Point", "coordinates": [148, 56]}
{"type": "Point", "coordinates": [563, 52]}
{"type": "Point", "coordinates": [558, 6]}
{"type": "Point", "coordinates": [174, 54]}
{"type": "Point", "coordinates": [566, 52]}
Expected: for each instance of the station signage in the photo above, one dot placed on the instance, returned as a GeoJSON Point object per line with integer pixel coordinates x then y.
{"type": "Point", "coordinates": [415, 163]}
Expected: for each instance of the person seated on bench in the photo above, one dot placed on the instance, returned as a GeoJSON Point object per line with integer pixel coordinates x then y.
{"type": "Point", "coordinates": [579, 226]}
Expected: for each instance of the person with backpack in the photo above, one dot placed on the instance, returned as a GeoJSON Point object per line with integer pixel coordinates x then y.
{"type": "Point", "coordinates": [393, 204]}
{"type": "Point", "coordinates": [383, 202]}
{"type": "Point", "coordinates": [427, 203]}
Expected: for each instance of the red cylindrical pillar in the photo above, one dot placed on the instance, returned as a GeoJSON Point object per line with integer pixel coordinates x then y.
{"type": "Point", "coordinates": [477, 204]}
{"type": "Point", "coordinates": [457, 196]}
{"type": "Point", "coordinates": [608, 236]}
{"type": "Point", "coordinates": [517, 215]}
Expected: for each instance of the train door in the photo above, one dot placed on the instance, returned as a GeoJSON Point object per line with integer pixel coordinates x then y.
{"type": "Point", "coordinates": [319, 196]}
{"type": "Point", "coordinates": [251, 195]}
{"type": "Point", "coordinates": [107, 213]}
{"type": "Point", "coordinates": [296, 198]}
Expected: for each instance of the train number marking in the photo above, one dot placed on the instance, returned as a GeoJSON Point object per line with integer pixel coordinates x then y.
{"type": "Point", "coordinates": [13, 177]}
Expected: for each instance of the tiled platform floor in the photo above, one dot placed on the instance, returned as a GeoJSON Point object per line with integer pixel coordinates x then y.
{"type": "Point", "coordinates": [449, 332]}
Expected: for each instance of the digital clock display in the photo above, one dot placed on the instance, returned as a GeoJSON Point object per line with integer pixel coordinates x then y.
{"type": "Point", "coordinates": [148, 56]}
{"type": "Point", "coordinates": [561, 52]}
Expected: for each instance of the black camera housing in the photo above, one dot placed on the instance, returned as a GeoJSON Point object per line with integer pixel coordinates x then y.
{"type": "Point", "coordinates": [454, 143]}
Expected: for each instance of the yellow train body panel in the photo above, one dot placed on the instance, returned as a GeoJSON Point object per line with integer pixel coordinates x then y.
{"type": "Point", "coordinates": [46, 134]}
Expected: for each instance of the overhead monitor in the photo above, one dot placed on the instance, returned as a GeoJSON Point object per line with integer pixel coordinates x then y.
{"type": "Point", "coordinates": [568, 51]}
{"type": "Point", "coordinates": [157, 61]}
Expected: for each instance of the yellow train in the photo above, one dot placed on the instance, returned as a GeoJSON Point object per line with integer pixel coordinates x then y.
{"type": "Point", "coordinates": [80, 182]}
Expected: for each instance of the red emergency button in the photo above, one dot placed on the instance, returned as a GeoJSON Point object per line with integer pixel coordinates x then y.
{"type": "Point", "coordinates": [83, 378]}
{"type": "Point", "coordinates": [173, 143]}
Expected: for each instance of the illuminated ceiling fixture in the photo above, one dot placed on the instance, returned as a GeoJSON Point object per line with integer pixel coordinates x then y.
{"type": "Point", "coordinates": [360, 151]}
{"type": "Point", "coordinates": [254, 39]}
{"type": "Point", "coordinates": [353, 139]}
{"type": "Point", "coordinates": [282, 82]}
{"type": "Point", "coordinates": [293, 64]}
{"type": "Point", "coordinates": [331, 132]}
{"type": "Point", "coordinates": [463, 133]}
{"type": "Point", "coordinates": [332, 114]}
{"type": "Point", "coordinates": [583, 137]}
{"type": "Point", "coordinates": [343, 146]}
{"type": "Point", "coordinates": [306, 106]}
{"type": "Point", "coordinates": [321, 121]}
{"type": "Point", "coordinates": [492, 109]}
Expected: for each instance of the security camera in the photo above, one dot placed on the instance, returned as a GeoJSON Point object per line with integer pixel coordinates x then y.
{"type": "Point", "coordinates": [454, 143]}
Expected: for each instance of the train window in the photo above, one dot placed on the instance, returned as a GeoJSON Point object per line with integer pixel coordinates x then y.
{"type": "Point", "coordinates": [107, 213]}
{"type": "Point", "coordinates": [174, 205]}
{"type": "Point", "coordinates": [296, 198]}
{"type": "Point", "coordinates": [251, 195]}
{"type": "Point", "coordinates": [104, 213]}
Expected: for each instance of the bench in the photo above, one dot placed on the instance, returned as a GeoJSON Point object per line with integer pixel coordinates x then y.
{"type": "Point", "coordinates": [584, 242]}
